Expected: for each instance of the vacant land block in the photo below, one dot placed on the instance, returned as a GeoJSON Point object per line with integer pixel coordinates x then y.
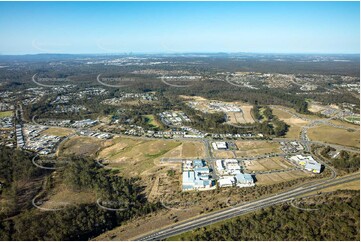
{"type": "Point", "coordinates": [58, 131]}
{"type": "Point", "coordinates": [334, 135]}
{"type": "Point", "coordinates": [274, 163]}
{"type": "Point", "coordinates": [273, 178]}
{"type": "Point", "coordinates": [252, 148]}
{"type": "Point", "coordinates": [187, 149]}
{"type": "Point", "coordinates": [225, 154]}
{"type": "Point", "coordinates": [133, 157]}
{"type": "Point", "coordinates": [81, 146]}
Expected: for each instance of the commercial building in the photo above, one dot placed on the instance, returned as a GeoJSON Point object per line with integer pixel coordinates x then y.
{"type": "Point", "coordinates": [220, 145]}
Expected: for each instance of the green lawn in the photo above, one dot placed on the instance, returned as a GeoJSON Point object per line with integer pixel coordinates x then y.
{"type": "Point", "coordinates": [152, 121]}
{"type": "Point", "coordinates": [6, 114]}
{"type": "Point", "coordinates": [352, 118]}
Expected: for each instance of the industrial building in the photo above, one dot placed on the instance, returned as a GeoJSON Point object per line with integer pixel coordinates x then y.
{"type": "Point", "coordinates": [307, 162]}
{"type": "Point", "coordinates": [244, 180]}
{"type": "Point", "coordinates": [228, 166]}
{"type": "Point", "coordinates": [313, 167]}
{"type": "Point", "coordinates": [228, 181]}
{"type": "Point", "coordinates": [232, 166]}
{"type": "Point", "coordinates": [220, 145]}
{"type": "Point", "coordinates": [196, 175]}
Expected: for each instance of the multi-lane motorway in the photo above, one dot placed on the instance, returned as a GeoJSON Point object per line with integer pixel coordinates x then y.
{"type": "Point", "coordinates": [242, 209]}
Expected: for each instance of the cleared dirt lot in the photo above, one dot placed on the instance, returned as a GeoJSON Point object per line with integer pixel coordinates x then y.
{"type": "Point", "coordinates": [335, 135]}
{"type": "Point", "coordinates": [252, 148]}
{"type": "Point", "coordinates": [233, 117]}
{"type": "Point", "coordinates": [273, 163]}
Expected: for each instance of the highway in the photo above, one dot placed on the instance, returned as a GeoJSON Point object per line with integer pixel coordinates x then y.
{"type": "Point", "coordinates": [242, 209]}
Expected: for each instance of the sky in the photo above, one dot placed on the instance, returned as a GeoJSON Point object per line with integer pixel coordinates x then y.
{"type": "Point", "coordinates": [171, 27]}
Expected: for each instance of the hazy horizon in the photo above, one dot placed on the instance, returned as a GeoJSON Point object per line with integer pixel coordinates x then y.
{"type": "Point", "coordinates": [179, 27]}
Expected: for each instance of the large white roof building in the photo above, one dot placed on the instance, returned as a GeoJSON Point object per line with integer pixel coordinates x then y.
{"type": "Point", "coordinates": [220, 145]}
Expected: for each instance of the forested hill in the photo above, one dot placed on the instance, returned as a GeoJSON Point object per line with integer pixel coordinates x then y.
{"type": "Point", "coordinates": [74, 222]}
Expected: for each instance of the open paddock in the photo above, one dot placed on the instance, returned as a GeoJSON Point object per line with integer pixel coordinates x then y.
{"type": "Point", "coordinates": [223, 154]}
{"type": "Point", "coordinates": [58, 131]}
{"type": "Point", "coordinates": [77, 145]}
{"type": "Point", "coordinates": [188, 149]}
{"type": "Point", "coordinates": [133, 157]}
{"type": "Point", "coordinates": [334, 135]}
{"type": "Point", "coordinates": [253, 148]}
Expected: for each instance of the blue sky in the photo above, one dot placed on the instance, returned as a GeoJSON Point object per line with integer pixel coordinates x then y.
{"type": "Point", "coordinates": [117, 27]}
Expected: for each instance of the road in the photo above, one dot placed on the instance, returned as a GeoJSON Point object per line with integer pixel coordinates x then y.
{"type": "Point", "coordinates": [242, 209]}
{"type": "Point", "coordinates": [341, 147]}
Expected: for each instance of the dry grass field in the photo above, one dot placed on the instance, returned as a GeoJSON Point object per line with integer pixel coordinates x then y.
{"type": "Point", "coordinates": [252, 148]}
{"type": "Point", "coordinates": [353, 185]}
{"type": "Point", "coordinates": [247, 113]}
{"type": "Point", "coordinates": [235, 118]}
{"type": "Point", "coordinates": [62, 196]}
{"type": "Point", "coordinates": [241, 117]}
{"type": "Point", "coordinates": [223, 154]}
{"type": "Point", "coordinates": [58, 131]}
{"type": "Point", "coordinates": [81, 146]}
{"type": "Point", "coordinates": [133, 157]}
{"type": "Point", "coordinates": [334, 135]}
{"type": "Point", "coordinates": [273, 178]}
{"type": "Point", "coordinates": [295, 124]}
{"type": "Point", "coordinates": [346, 124]}
{"type": "Point", "coordinates": [188, 149]}
{"type": "Point", "coordinates": [273, 163]}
